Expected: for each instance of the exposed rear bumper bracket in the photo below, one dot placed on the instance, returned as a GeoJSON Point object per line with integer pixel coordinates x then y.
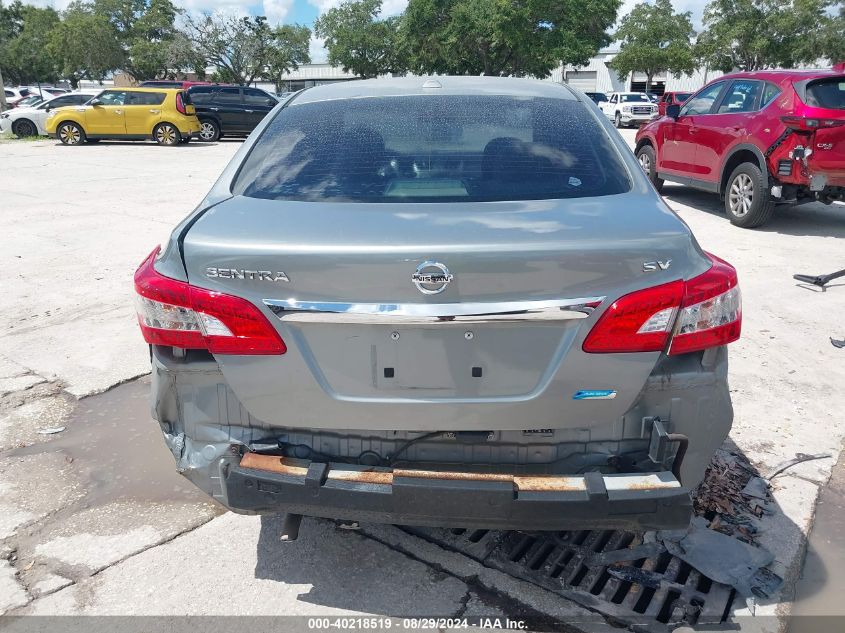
{"type": "Point", "coordinates": [266, 483]}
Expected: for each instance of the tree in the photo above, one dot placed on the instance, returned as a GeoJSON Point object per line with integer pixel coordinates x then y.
{"type": "Point", "coordinates": [147, 33]}
{"type": "Point", "coordinates": [833, 43]}
{"type": "Point", "coordinates": [85, 44]}
{"type": "Point", "coordinates": [654, 39]}
{"type": "Point", "coordinates": [243, 49]}
{"type": "Point", "coordinates": [11, 21]}
{"type": "Point", "coordinates": [501, 37]}
{"type": "Point", "coordinates": [24, 34]}
{"type": "Point", "coordinates": [289, 48]}
{"type": "Point", "coordinates": [812, 31]}
{"type": "Point", "coordinates": [359, 41]}
{"type": "Point", "coordinates": [758, 34]}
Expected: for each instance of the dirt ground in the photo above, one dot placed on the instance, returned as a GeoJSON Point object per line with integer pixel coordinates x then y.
{"type": "Point", "coordinates": [88, 526]}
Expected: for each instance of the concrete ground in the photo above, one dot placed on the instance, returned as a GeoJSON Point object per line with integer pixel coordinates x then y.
{"type": "Point", "coordinates": [819, 591]}
{"type": "Point", "coordinates": [93, 519]}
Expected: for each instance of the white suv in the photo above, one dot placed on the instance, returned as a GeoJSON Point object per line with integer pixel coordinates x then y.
{"type": "Point", "coordinates": [628, 108]}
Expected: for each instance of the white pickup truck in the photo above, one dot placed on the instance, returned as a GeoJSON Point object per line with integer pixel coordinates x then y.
{"type": "Point", "coordinates": [628, 108]}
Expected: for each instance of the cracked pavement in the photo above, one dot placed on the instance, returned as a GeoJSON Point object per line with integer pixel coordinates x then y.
{"type": "Point", "coordinates": [94, 519]}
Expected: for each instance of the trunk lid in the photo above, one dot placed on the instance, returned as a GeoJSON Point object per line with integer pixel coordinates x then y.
{"type": "Point", "coordinates": [824, 102]}
{"type": "Point", "coordinates": [364, 333]}
{"type": "Point", "coordinates": [829, 154]}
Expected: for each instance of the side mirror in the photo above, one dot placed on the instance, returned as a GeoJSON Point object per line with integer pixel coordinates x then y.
{"type": "Point", "coordinates": [95, 102]}
{"type": "Point", "coordinates": [673, 110]}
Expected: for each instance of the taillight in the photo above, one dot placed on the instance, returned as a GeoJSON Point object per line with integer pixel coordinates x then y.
{"type": "Point", "coordinates": [638, 322]}
{"type": "Point", "coordinates": [809, 123]}
{"type": "Point", "coordinates": [174, 313]}
{"type": "Point", "coordinates": [180, 103]}
{"type": "Point", "coordinates": [711, 313]}
{"type": "Point", "coordinates": [702, 312]}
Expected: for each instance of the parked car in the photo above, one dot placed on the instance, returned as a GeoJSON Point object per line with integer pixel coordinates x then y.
{"type": "Point", "coordinates": [13, 95]}
{"type": "Point", "coordinates": [230, 110]}
{"type": "Point", "coordinates": [27, 96]}
{"type": "Point", "coordinates": [47, 91]}
{"type": "Point", "coordinates": [172, 83]}
{"type": "Point", "coordinates": [671, 98]}
{"type": "Point", "coordinates": [162, 114]}
{"type": "Point", "coordinates": [31, 100]}
{"type": "Point", "coordinates": [628, 108]}
{"type": "Point", "coordinates": [597, 97]}
{"type": "Point", "coordinates": [31, 121]}
{"type": "Point", "coordinates": [756, 139]}
{"type": "Point", "coordinates": [398, 303]}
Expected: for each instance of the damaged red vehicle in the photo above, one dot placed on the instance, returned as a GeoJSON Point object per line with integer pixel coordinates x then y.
{"type": "Point", "coordinates": [758, 139]}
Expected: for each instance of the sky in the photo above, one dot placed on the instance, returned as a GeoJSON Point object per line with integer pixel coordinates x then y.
{"type": "Point", "coordinates": [306, 11]}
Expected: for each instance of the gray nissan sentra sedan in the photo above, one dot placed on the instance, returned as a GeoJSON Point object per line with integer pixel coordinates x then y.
{"type": "Point", "coordinates": [442, 301]}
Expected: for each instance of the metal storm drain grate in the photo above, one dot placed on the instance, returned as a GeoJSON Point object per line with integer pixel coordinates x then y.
{"type": "Point", "coordinates": [615, 573]}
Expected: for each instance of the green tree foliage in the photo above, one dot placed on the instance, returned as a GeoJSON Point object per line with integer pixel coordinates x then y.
{"type": "Point", "coordinates": [654, 39]}
{"type": "Point", "coordinates": [24, 35]}
{"type": "Point", "coordinates": [833, 43]}
{"type": "Point", "coordinates": [359, 40]}
{"type": "Point", "coordinates": [825, 27]}
{"type": "Point", "coordinates": [85, 44]}
{"type": "Point", "coordinates": [758, 34]}
{"type": "Point", "coordinates": [147, 33]}
{"type": "Point", "coordinates": [11, 21]}
{"type": "Point", "coordinates": [503, 37]}
{"type": "Point", "coordinates": [288, 49]}
{"type": "Point", "coordinates": [243, 49]}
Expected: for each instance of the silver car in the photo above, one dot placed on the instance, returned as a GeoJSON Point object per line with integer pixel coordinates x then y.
{"type": "Point", "coordinates": [450, 301]}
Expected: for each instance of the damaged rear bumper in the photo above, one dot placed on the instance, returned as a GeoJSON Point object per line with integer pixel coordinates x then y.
{"type": "Point", "coordinates": [268, 484]}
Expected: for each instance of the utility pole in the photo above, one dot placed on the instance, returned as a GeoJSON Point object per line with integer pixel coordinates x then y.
{"type": "Point", "coordinates": [3, 104]}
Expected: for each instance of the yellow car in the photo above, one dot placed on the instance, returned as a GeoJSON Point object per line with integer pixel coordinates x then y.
{"type": "Point", "coordinates": [165, 115]}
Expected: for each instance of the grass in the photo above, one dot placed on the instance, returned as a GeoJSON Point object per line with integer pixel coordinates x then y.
{"type": "Point", "coordinates": [8, 137]}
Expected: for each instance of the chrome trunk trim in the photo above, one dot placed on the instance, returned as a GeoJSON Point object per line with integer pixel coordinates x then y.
{"type": "Point", "coordinates": [332, 312]}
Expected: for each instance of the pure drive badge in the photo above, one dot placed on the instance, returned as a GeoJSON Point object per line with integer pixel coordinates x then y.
{"type": "Point", "coordinates": [242, 273]}
{"type": "Point", "coordinates": [594, 394]}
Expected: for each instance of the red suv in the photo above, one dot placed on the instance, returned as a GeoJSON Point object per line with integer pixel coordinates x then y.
{"type": "Point", "coordinates": [757, 139]}
{"type": "Point", "coordinates": [671, 98]}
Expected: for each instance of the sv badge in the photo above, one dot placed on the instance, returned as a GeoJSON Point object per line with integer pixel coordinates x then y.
{"type": "Point", "coordinates": [649, 267]}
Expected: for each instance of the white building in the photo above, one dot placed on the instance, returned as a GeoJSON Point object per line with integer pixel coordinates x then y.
{"type": "Point", "coordinates": [597, 76]}
{"type": "Point", "coordinates": [309, 75]}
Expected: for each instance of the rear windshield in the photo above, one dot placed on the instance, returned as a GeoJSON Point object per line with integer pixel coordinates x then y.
{"type": "Point", "coordinates": [431, 149]}
{"type": "Point", "coordinates": [682, 96]}
{"type": "Point", "coordinates": [826, 93]}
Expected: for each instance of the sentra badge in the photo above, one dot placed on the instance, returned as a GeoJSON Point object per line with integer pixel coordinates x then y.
{"type": "Point", "coordinates": [242, 273]}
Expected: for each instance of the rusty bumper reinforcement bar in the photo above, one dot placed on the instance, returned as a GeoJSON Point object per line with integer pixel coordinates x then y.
{"type": "Point", "coordinates": [268, 483]}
